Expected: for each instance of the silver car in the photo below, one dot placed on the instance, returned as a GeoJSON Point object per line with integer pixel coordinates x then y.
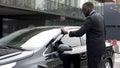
{"type": "Point", "coordinates": [35, 48]}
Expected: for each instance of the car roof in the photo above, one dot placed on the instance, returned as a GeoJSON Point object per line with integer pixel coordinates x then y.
{"type": "Point", "coordinates": [41, 27]}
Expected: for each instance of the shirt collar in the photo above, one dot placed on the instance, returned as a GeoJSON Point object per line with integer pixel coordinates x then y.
{"type": "Point", "coordinates": [92, 12]}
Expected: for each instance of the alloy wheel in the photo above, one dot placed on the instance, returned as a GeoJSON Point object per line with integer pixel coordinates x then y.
{"type": "Point", "coordinates": [108, 64]}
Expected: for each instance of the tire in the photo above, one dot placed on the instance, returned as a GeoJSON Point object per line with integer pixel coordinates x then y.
{"type": "Point", "coordinates": [107, 64]}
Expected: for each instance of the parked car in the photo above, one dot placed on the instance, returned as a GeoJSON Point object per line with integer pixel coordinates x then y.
{"type": "Point", "coordinates": [36, 48]}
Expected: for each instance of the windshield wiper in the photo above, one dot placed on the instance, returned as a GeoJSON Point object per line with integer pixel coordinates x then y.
{"type": "Point", "coordinates": [13, 47]}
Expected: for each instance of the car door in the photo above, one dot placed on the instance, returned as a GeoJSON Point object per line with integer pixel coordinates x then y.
{"type": "Point", "coordinates": [52, 58]}
{"type": "Point", "coordinates": [84, 54]}
{"type": "Point", "coordinates": [78, 45]}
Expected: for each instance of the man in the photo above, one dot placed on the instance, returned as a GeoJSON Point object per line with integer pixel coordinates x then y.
{"type": "Point", "coordinates": [95, 38]}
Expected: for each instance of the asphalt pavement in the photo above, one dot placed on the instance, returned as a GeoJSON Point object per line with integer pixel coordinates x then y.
{"type": "Point", "coordinates": [117, 61]}
{"type": "Point", "coordinates": [117, 57]}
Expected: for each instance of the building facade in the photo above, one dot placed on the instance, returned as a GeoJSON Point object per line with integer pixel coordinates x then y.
{"type": "Point", "coordinates": [50, 12]}
{"type": "Point", "coordinates": [19, 3]}
{"type": "Point", "coordinates": [25, 13]}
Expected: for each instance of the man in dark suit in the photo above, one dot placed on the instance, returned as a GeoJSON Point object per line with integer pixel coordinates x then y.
{"type": "Point", "coordinates": [95, 34]}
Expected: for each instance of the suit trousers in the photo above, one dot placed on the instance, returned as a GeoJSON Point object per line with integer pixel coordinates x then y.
{"type": "Point", "coordinates": [68, 60]}
{"type": "Point", "coordinates": [94, 61]}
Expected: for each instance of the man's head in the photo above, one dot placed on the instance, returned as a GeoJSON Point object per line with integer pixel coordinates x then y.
{"type": "Point", "coordinates": [87, 8]}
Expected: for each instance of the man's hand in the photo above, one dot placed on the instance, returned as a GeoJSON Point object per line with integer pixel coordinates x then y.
{"type": "Point", "coordinates": [64, 31]}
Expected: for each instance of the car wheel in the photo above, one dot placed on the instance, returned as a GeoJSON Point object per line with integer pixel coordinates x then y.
{"type": "Point", "coordinates": [107, 64]}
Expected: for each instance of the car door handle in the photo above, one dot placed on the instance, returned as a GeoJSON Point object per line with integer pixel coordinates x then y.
{"type": "Point", "coordinates": [55, 55]}
{"type": "Point", "coordinates": [83, 56]}
{"type": "Point", "coordinates": [48, 57]}
{"type": "Point", "coordinates": [40, 66]}
{"type": "Point", "coordinates": [51, 56]}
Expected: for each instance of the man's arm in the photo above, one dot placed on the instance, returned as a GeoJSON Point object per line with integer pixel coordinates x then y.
{"type": "Point", "coordinates": [84, 29]}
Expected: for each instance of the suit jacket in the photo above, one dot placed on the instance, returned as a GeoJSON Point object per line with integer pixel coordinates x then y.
{"type": "Point", "coordinates": [95, 33]}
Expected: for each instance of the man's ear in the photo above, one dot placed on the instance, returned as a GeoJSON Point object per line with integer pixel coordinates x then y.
{"type": "Point", "coordinates": [86, 12]}
{"type": "Point", "coordinates": [88, 9]}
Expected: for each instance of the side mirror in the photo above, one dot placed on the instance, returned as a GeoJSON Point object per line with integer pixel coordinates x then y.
{"type": "Point", "coordinates": [64, 47]}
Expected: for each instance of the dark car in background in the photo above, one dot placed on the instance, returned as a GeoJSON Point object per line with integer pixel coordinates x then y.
{"type": "Point", "coordinates": [35, 48]}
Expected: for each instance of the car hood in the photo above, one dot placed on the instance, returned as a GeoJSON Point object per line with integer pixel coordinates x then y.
{"type": "Point", "coordinates": [13, 57]}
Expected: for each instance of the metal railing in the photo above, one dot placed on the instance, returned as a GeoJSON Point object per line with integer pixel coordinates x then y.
{"type": "Point", "coordinates": [46, 5]}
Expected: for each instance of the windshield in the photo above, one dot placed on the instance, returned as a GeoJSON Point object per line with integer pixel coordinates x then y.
{"type": "Point", "coordinates": [18, 38]}
{"type": "Point", "coordinates": [41, 40]}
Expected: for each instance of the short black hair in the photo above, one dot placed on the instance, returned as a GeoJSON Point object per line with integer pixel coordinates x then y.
{"type": "Point", "coordinates": [89, 4]}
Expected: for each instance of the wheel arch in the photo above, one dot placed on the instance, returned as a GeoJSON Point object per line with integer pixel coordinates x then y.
{"type": "Point", "coordinates": [111, 61]}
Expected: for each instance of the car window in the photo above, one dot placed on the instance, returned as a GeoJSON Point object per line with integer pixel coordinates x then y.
{"type": "Point", "coordinates": [48, 50]}
{"type": "Point", "coordinates": [72, 41]}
